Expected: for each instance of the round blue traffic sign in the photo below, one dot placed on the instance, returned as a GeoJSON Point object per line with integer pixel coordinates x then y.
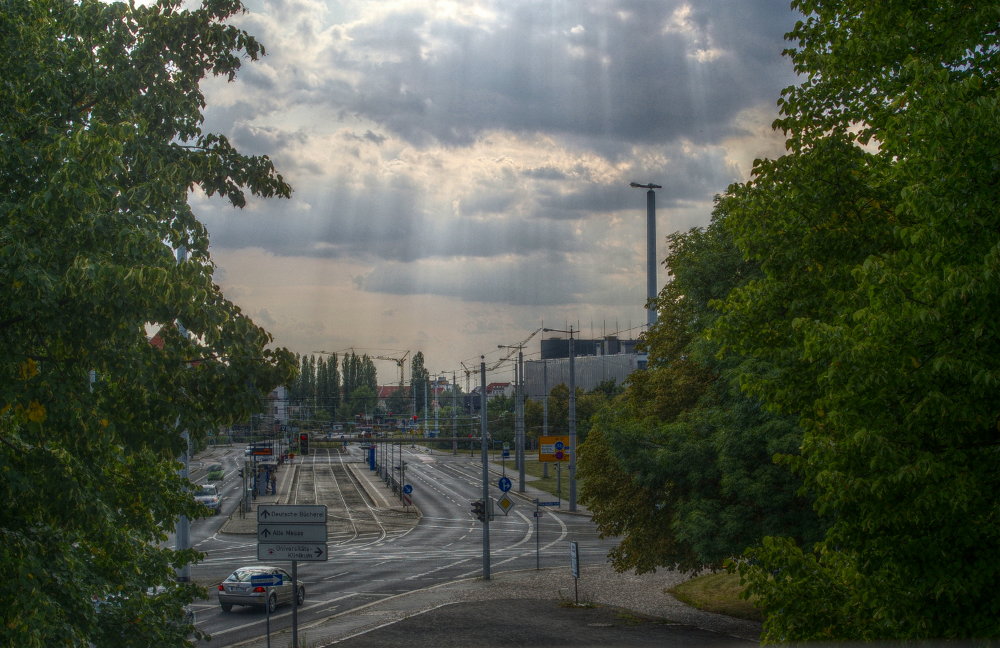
{"type": "Point", "coordinates": [559, 445]}
{"type": "Point", "coordinates": [504, 484]}
{"type": "Point", "coordinates": [407, 489]}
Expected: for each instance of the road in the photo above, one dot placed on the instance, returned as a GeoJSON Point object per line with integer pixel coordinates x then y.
{"type": "Point", "coordinates": [378, 548]}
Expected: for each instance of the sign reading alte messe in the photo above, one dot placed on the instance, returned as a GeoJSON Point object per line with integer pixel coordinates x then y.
{"type": "Point", "coordinates": [291, 532]}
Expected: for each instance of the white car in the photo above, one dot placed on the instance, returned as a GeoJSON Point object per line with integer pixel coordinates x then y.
{"type": "Point", "coordinates": [239, 589]}
{"type": "Point", "coordinates": [208, 495]}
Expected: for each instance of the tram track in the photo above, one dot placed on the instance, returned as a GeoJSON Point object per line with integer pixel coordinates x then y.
{"type": "Point", "coordinates": [325, 477]}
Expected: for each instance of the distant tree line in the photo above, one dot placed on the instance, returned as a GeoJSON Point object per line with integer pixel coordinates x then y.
{"type": "Point", "coordinates": [328, 388]}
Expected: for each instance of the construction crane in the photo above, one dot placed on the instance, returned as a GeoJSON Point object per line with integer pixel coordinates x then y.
{"type": "Point", "coordinates": [468, 372]}
{"type": "Point", "coordinates": [515, 347]}
{"type": "Point", "coordinates": [399, 363]}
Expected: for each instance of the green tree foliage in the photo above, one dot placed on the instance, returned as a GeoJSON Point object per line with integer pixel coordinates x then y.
{"type": "Point", "coordinates": [679, 466]}
{"type": "Point", "coordinates": [534, 420]}
{"type": "Point", "coordinates": [420, 381]}
{"type": "Point", "coordinates": [329, 387]}
{"type": "Point", "coordinates": [360, 385]}
{"type": "Point", "coordinates": [500, 416]}
{"type": "Point", "coordinates": [895, 381]}
{"type": "Point", "coordinates": [100, 143]}
{"type": "Point", "coordinates": [316, 391]}
{"type": "Point", "coordinates": [587, 405]}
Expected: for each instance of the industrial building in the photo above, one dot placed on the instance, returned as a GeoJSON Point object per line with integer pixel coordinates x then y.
{"type": "Point", "coordinates": [595, 361]}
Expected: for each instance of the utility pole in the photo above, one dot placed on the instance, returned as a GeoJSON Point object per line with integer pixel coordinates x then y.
{"type": "Point", "coordinates": [519, 404]}
{"type": "Point", "coordinates": [486, 471]}
{"type": "Point", "coordinates": [545, 409]}
{"type": "Point", "coordinates": [183, 531]}
{"type": "Point", "coordinates": [571, 418]}
{"type": "Point", "coordinates": [454, 415]}
{"type": "Point", "coordinates": [572, 425]}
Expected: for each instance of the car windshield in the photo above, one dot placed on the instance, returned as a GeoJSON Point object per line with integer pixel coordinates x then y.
{"type": "Point", "coordinates": [206, 490]}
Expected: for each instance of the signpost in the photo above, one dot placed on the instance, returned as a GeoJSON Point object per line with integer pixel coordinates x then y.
{"type": "Point", "coordinates": [288, 532]}
{"type": "Point", "coordinates": [505, 503]}
{"type": "Point", "coordinates": [553, 448]}
{"type": "Point", "coordinates": [294, 551]}
{"type": "Point", "coordinates": [267, 580]}
{"type": "Point", "coordinates": [574, 567]}
{"type": "Point", "coordinates": [290, 514]}
{"type": "Point", "coordinates": [291, 533]}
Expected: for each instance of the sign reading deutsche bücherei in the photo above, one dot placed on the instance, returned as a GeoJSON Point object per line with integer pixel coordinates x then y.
{"type": "Point", "coordinates": [292, 514]}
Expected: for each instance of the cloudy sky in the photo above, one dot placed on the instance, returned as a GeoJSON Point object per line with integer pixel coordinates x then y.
{"type": "Point", "coordinates": [461, 169]}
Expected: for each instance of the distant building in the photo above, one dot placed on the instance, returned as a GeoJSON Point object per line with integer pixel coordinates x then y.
{"type": "Point", "coordinates": [391, 395]}
{"type": "Point", "coordinates": [499, 389]}
{"type": "Point", "coordinates": [595, 362]}
{"type": "Point", "coordinates": [471, 401]}
{"type": "Point", "coordinates": [553, 348]}
{"type": "Point", "coordinates": [540, 376]}
{"type": "Point", "coordinates": [276, 407]}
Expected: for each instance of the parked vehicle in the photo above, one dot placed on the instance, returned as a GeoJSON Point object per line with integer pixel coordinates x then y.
{"type": "Point", "coordinates": [239, 589]}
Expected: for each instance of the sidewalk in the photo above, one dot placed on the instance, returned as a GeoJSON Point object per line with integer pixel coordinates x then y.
{"type": "Point", "coordinates": [523, 608]}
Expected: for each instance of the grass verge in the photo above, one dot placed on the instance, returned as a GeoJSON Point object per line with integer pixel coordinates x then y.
{"type": "Point", "coordinates": [719, 593]}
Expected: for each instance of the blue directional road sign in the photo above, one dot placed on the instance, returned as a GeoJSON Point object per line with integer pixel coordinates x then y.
{"type": "Point", "coordinates": [504, 484]}
{"type": "Point", "coordinates": [266, 580]}
{"type": "Point", "coordinates": [407, 489]}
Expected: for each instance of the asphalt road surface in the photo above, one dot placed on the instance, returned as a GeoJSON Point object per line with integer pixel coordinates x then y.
{"type": "Point", "coordinates": [378, 547]}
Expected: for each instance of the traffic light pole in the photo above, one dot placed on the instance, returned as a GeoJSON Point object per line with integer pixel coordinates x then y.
{"type": "Point", "coordinates": [486, 471]}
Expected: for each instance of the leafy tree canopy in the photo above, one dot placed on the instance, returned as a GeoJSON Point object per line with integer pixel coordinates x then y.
{"type": "Point", "coordinates": [100, 144]}
{"type": "Point", "coordinates": [680, 466]}
{"type": "Point", "coordinates": [894, 379]}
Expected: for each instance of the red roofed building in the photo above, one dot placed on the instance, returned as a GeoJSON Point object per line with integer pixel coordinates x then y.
{"type": "Point", "coordinates": [499, 389]}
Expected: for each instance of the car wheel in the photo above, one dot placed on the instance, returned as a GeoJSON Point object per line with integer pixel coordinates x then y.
{"type": "Point", "coordinates": [301, 597]}
{"type": "Point", "coordinates": [272, 603]}
{"type": "Point", "coordinates": [226, 607]}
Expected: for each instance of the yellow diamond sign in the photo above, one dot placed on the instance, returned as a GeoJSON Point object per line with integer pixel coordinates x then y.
{"type": "Point", "coordinates": [505, 503]}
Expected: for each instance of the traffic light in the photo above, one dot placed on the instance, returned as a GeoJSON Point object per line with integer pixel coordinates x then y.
{"type": "Point", "coordinates": [304, 444]}
{"type": "Point", "coordinates": [479, 510]}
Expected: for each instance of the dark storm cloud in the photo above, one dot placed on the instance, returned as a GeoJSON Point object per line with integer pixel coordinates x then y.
{"type": "Point", "coordinates": [599, 70]}
{"type": "Point", "coordinates": [546, 173]}
{"type": "Point", "coordinates": [543, 279]}
{"type": "Point", "coordinates": [380, 226]}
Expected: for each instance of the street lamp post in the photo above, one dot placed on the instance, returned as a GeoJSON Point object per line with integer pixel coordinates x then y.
{"type": "Point", "coordinates": [571, 419]}
{"type": "Point", "coordinates": [650, 249]}
{"type": "Point", "coordinates": [182, 532]}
